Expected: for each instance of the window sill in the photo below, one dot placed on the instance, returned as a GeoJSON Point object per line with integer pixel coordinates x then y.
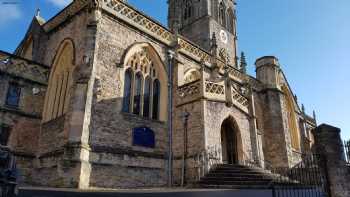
{"type": "Point", "coordinates": [138, 117]}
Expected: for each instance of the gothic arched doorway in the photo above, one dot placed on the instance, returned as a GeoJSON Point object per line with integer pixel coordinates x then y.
{"type": "Point", "coordinates": [230, 141]}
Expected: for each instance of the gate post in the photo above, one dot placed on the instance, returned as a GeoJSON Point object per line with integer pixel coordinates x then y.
{"type": "Point", "coordinates": [329, 144]}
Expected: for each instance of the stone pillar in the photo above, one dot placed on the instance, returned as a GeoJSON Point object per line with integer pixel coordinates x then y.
{"type": "Point", "coordinates": [328, 143]}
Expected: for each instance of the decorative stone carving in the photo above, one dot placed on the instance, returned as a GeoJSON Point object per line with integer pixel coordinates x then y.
{"type": "Point", "coordinates": [189, 89]}
{"type": "Point", "coordinates": [239, 98]}
{"type": "Point", "coordinates": [191, 76]}
{"type": "Point", "coordinates": [214, 88]}
{"type": "Point", "coordinates": [69, 11]}
{"type": "Point", "coordinates": [27, 69]}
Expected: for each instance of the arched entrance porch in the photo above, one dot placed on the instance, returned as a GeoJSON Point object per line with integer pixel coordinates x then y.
{"type": "Point", "coordinates": [231, 142]}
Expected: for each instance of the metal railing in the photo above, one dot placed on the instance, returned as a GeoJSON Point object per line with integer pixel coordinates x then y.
{"type": "Point", "coordinates": [347, 151]}
{"type": "Point", "coordinates": [307, 178]}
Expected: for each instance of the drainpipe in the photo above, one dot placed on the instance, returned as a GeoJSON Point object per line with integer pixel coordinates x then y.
{"type": "Point", "coordinates": [171, 55]}
{"type": "Point", "coordinates": [186, 115]}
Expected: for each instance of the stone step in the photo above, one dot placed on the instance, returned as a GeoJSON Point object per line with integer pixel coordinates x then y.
{"type": "Point", "coordinates": [234, 182]}
{"type": "Point", "coordinates": [239, 176]}
{"type": "Point", "coordinates": [241, 169]}
{"type": "Point", "coordinates": [219, 186]}
{"type": "Point", "coordinates": [248, 175]}
{"type": "Point", "coordinates": [247, 171]}
{"type": "Point", "coordinates": [236, 178]}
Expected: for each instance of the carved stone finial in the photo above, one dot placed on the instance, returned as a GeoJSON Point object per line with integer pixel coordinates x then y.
{"type": "Point", "coordinates": [296, 98]}
{"type": "Point", "coordinates": [303, 108]}
{"type": "Point", "coordinates": [243, 63]}
{"type": "Point", "coordinates": [37, 14]}
{"type": "Point", "coordinates": [176, 27]}
{"type": "Point", "coordinates": [314, 114]}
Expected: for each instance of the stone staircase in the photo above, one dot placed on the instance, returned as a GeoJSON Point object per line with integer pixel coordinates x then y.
{"type": "Point", "coordinates": [241, 177]}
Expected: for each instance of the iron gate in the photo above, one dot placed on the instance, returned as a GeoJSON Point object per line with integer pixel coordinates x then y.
{"type": "Point", "coordinates": [307, 179]}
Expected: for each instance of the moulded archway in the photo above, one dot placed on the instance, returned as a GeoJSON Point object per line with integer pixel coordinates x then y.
{"type": "Point", "coordinates": [231, 142]}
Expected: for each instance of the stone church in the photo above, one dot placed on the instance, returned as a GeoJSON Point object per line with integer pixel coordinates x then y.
{"type": "Point", "coordinates": [103, 96]}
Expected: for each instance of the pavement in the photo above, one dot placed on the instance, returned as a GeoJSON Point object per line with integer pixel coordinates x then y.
{"type": "Point", "coordinates": [177, 192]}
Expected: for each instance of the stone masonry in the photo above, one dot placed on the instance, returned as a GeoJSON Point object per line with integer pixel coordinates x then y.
{"type": "Point", "coordinates": [95, 143]}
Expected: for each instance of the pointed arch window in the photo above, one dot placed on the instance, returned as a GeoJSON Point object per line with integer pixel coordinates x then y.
{"type": "Point", "coordinates": [60, 83]}
{"type": "Point", "coordinates": [156, 97]}
{"type": "Point", "coordinates": [142, 84]}
{"type": "Point", "coordinates": [137, 94]}
{"type": "Point", "coordinates": [292, 119]}
{"type": "Point", "coordinates": [222, 14]}
{"type": "Point", "coordinates": [127, 90]}
{"type": "Point", "coordinates": [147, 97]}
{"type": "Point", "coordinates": [231, 21]}
{"type": "Point", "coordinates": [188, 11]}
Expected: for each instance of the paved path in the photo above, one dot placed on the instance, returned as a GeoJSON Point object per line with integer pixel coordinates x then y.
{"type": "Point", "coordinates": [41, 192]}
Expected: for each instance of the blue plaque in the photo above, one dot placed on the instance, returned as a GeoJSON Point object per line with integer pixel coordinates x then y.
{"type": "Point", "coordinates": [143, 136]}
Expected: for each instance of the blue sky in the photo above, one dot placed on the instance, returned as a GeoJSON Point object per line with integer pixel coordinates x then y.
{"type": "Point", "coordinates": [310, 38]}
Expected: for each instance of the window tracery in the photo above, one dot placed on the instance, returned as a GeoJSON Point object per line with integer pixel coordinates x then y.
{"type": "Point", "coordinates": [60, 82]}
{"type": "Point", "coordinates": [231, 21]}
{"type": "Point", "coordinates": [222, 14]}
{"type": "Point", "coordinates": [188, 9]}
{"type": "Point", "coordinates": [292, 119]}
{"type": "Point", "coordinates": [142, 87]}
{"type": "Point", "coordinates": [191, 76]}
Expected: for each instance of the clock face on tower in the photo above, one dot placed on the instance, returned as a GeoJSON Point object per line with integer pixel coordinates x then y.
{"type": "Point", "coordinates": [223, 36]}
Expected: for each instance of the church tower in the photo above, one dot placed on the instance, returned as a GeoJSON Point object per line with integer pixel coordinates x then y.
{"type": "Point", "coordinates": [199, 20]}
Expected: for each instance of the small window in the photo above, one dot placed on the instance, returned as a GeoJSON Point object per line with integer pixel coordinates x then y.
{"type": "Point", "coordinates": [4, 135]}
{"type": "Point", "coordinates": [13, 95]}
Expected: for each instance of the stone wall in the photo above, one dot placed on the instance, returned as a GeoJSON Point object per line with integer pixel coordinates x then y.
{"type": "Point", "coordinates": [195, 139]}
{"type": "Point", "coordinates": [113, 154]}
{"type": "Point", "coordinates": [215, 115]}
{"type": "Point", "coordinates": [274, 142]}
{"type": "Point", "coordinates": [328, 143]}
{"type": "Point", "coordinates": [24, 119]}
